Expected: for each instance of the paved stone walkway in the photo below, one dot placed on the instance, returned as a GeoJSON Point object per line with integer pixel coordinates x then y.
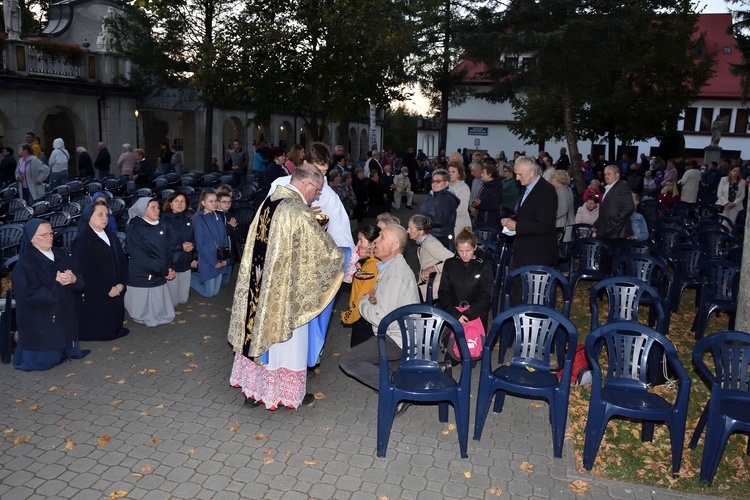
{"type": "Point", "coordinates": [153, 415]}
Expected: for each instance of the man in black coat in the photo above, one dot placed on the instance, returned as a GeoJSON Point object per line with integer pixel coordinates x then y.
{"type": "Point", "coordinates": [534, 222]}
{"type": "Point", "coordinates": [8, 167]}
{"type": "Point", "coordinates": [613, 225]}
{"type": "Point", "coordinates": [103, 161]}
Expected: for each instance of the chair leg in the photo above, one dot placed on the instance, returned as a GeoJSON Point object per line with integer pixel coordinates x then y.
{"type": "Point", "coordinates": [699, 427]}
{"type": "Point", "coordinates": [461, 409]}
{"type": "Point", "coordinates": [558, 415]}
{"type": "Point", "coordinates": [484, 398]}
{"type": "Point", "coordinates": [443, 412]}
{"type": "Point", "coordinates": [595, 426]}
{"type": "Point", "coordinates": [732, 319]}
{"type": "Point", "coordinates": [713, 449]}
{"type": "Point", "coordinates": [647, 431]}
{"type": "Point", "coordinates": [499, 402]}
{"type": "Point", "coordinates": [677, 436]}
{"type": "Point", "coordinates": [386, 407]}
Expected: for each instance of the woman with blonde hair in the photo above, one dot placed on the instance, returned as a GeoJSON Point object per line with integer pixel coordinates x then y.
{"type": "Point", "coordinates": [670, 195]}
{"type": "Point", "coordinates": [294, 158]}
{"type": "Point", "coordinates": [731, 193]}
{"type": "Point", "coordinates": [458, 186]}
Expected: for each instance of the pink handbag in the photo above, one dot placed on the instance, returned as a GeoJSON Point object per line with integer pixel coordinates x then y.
{"type": "Point", "coordinates": [474, 333]}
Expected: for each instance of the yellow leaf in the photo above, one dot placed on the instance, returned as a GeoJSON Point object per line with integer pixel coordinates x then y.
{"type": "Point", "coordinates": [444, 432]}
{"type": "Point", "coordinates": [178, 312]}
{"type": "Point", "coordinates": [52, 389]}
{"type": "Point", "coordinates": [202, 315]}
{"type": "Point", "coordinates": [320, 395]}
{"type": "Point", "coordinates": [21, 400]}
{"type": "Point", "coordinates": [106, 377]}
{"type": "Point", "coordinates": [228, 309]}
{"type": "Point", "coordinates": [288, 453]}
{"type": "Point", "coordinates": [467, 474]}
{"type": "Point", "coordinates": [536, 405]}
{"type": "Point", "coordinates": [187, 370]}
{"type": "Point", "coordinates": [310, 462]}
{"type": "Point", "coordinates": [206, 337]}
{"type": "Point", "coordinates": [336, 354]}
{"type": "Point", "coordinates": [118, 494]}
{"type": "Point", "coordinates": [268, 460]}
{"type": "Point", "coordinates": [167, 361]}
{"type": "Point", "coordinates": [326, 428]}
{"type": "Point", "coordinates": [152, 371]}
{"type": "Point", "coordinates": [451, 427]}
{"type": "Point", "coordinates": [8, 430]}
{"type": "Point", "coordinates": [34, 407]}
{"type": "Point", "coordinates": [526, 466]}
{"type": "Point", "coordinates": [69, 375]}
{"type": "Point", "coordinates": [579, 487]}
{"type": "Point", "coordinates": [121, 381]}
{"type": "Point", "coordinates": [155, 441]}
{"type": "Point", "coordinates": [214, 315]}
{"type": "Point", "coordinates": [187, 354]}
{"type": "Point", "coordinates": [116, 402]}
{"type": "Point", "coordinates": [234, 427]}
{"type": "Point", "coordinates": [71, 392]}
{"type": "Point", "coordinates": [160, 406]}
{"type": "Point", "coordinates": [115, 349]}
{"type": "Point", "coordinates": [192, 365]}
{"type": "Point", "coordinates": [144, 413]}
{"type": "Point", "coordinates": [496, 491]}
{"type": "Point", "coordinates": [136, 474]}
{"type": "Point", "coordinates": [142, 372]}
{"type": "Point", "coordinates": [530, 368]}
{"type": "Point", "coordinates": [87, 362]}
{"type": "Point", "coordinates": [146, 468]}
{"type": "Point", "coordinates": [259, 437]}
{"type": "Point", "coordinates": [181, 322]}
{"type": "Point", "coordinates": [104, 440]}
{"type": "Point", "coordinates": [191, 451]}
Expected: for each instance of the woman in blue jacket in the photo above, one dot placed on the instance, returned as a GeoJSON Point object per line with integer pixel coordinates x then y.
{"type": "Point", "coordinates": [210, 237]}
{"type": "Point", "coordinates": [45, 279]}
{"type": "Point", "coordinates": [179, 226]}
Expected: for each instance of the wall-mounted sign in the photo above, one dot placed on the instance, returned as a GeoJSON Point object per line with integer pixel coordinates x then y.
{"type": "Point", "coordinates": [478, 131]}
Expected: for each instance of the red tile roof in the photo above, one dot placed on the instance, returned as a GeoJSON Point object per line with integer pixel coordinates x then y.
{"type": "Point", "coordinates": [722, 85]}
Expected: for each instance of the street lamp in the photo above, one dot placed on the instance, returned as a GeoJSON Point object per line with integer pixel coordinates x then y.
{"type": "Point", "coordinates": [137, 134]}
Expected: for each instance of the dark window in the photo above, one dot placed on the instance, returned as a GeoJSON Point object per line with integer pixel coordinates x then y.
{"type": "Point", "coordinates": [690, 117]}
{"type": "Point", "coordinates": [740, 124]}
{"type": "Point", "coordinates": [707, 116]}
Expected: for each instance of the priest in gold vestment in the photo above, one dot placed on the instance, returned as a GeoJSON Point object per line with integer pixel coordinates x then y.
{"type": "Point", "coordinates": [291, 270]}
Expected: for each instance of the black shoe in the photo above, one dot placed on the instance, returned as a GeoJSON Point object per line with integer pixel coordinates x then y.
{"type": "Point", "coordinates": [308, 399]}
{"type": "Point", "coordinates": [401, 409]}
{"type": "Point", "coordinates": [254, 403]}
{"type": "Point", "coordinates": [409, 207]}
{"type": "Point", "coordinates": [446, 367]}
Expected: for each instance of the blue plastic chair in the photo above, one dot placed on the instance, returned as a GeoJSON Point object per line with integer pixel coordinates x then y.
{"type": "Point", "coordinates": [419, 377]}
{"type": "Point", "coordinates": [719, 286]}
{"type": "Point", "coordinates": [532, 329]}
{"type": "Point", "coordinates": [625, 390]}
{"type": "Point", "coordinates": [586, 256]}
{"type": "Point", "coordinates": [685, 259]}
{"type": "Point", "coordinates": [654, 271]}
{"type": "Point", "coordinates": [625, 294]}
{"type": "Point", "coordinates": [728, 410]}
{"type": "Point", "coordinates": [581, 231]}
{"type": "Point", "coordinates": [666, 238]}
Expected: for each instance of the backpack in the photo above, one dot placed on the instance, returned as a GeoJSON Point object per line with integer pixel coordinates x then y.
{"type": "Point", "coordinates": [581, 373]}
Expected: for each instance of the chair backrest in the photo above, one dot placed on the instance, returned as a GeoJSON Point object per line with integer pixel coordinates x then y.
{"type": "Point", "coordinates": [64, 238]}
{"type": "Point", "coordinates": [685, 259]}
{"type": "Point", "coordinates": [534, 329]}
{"type": "Point", "coordinates": [93, 187]}
{"type": "Point", "coordinates": [40, 207]}
{"type": "Point", "coordinates": [667, 237]}
{"type": "Point", "coordinates": [59, 220]}
{"type": "Point", "coordinates": [731, 361]}
{"type": "Point", "coordinates": [160, 183]}
{"type": "Point", "coordinates": [186, 180]}
{"type": "Point", "coordinates": [733, 255]}
{"type": "Point", "coordinates": [164, 194]}
{"type": "Point", "coordinates": [709, 221]}
{"type": "Point", "coordinates": [112, 184]}
{"type": "Point", "coordinates": [422, 328]}
{"type": "Point", "coordinates": [588, 252]}
{"type": "Point", "coordinates": [23, 214]}
{"type": "Point", "coordinates": [83, 200]}
{"type": "Point", "coordinates": [139, 193]}
{"type": "Point", "coordinates": [651, 269]}
{"type": "Point", "coordinates": [636, 247]}
{"type": "Point", "coordinates": [8, 193]}
{"type": "Point", "coordinates": [581, 231]}
{"type": "Point", "coordinates": [624, 294]}
{"type": "Point", "coordinates": [54, 199]}
{"type": "Point", "coordinates": [719, 280]}
{"type": "Point", "coordinates": [71, 208]}
{"type": "Point", "coordinates": [540, 285]}
{"type": "Point", "coordinates": [628, 345]}
{"type": "Point", "coordinates": [15, 204]}
{"type": "Point", "coordinates": [63, 190]}
{"type": "Point", "coordinates": [74, 186]}
{"type": "Point", "coordinates": [10, 239]}
{"type": "Point", "coordinates": [186, 190]}
{"type": "Point", "coordinates": [117, 204]}
{"type": "Point", "coordinates": [713, 241]}
{"type": "Point", "coordinates": [122, 237]}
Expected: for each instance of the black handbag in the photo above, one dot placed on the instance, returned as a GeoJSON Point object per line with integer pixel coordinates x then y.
{"type": "Point", "coordinates": [223, 253]}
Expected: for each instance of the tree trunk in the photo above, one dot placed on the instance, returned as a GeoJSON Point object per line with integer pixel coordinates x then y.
{"type": "Point", "coordinates": [743, 312]}
{"type": "Point", "coordinates": [612, 149]}
{"type": "Point", "coordinates": [445, 90]}
{"type": "Point", "coordinates": [570, 135]}
{"type": "Point", "coordinates": [208, 139]}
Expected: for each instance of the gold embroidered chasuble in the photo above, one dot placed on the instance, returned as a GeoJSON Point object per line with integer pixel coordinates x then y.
{"type": "Point", "coordinates": [301, 271]}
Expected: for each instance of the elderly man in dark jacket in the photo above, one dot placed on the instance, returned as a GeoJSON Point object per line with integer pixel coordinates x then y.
{"type": "Point", "coordinates": [440, 206]}
{"type": "Point", "coordinates": [613, 225]}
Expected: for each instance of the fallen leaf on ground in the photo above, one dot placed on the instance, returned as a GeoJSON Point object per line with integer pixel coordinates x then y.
{"type": "Point", "coordinates": [526, 466]}
{"type": "Point", "coordinates": [69, 444]}
{"type": "Point", "coordinates": [192, 365]}
{"type": "Point", "coordinates": [268, 452]}
{"type": "Point", "coordinates": [202, 315]}
{"type": "Point", "coordinates": [579, 487]}
{"type": "Point", "coordinates": [8, 430]}
{"type": "Point", "coordinates": [191, 451]}
{"type": "Point", "coordinates": [146, 468]}
{"type": "Point", "coordinates": [22, 439]}
{"type": "Point", "coordinates": [69, 375]}
{"type": "Point", "coordinates": [444, 432]}
{"type": "Point", "coordinates": [108, 376]}
{"type": "Point", "coordinates": [121, 381]}
{"type": "Point", "coordinates": [87, 362]}
{"type": "Point", "coordinates": [181, 322]}
{"type": "Point", "coordinates": [451, 427]}
{"type": "Point", "coordinates": [71, 392]}
{"type": "Point", "coordinates": [320, 395]}
{"type": "Point", "coordinates": [152, 371]}
{"type": "Point", "coordinates": [336, 354]}
{"type": "Point", "coordinates": [268, 460]}
{"type": "Point", "coordinates": [104, 440]}
{"type": "Point", "coordinates": [118, 494]}
{"type": "Point", "coordinates": [52, 389]}
{"type": "Point", "coordinates": [467, 474]}
{"type": "Point", "coordinates": [34, 407]}
{"type": "Point", "coordinates": [144, 413]}
{"type": "Point", "coordinates": [155, 441]}
{"type": "Point", "coordinates": [136, 474]}
{"type": "Point", "coordinates": [311, 462]}
{"type": "Point", "coordinates": [187, 354]}
{"type": "Point", "coordinates": [206, 337]}
{"type": "Point", "coordinates": [160, 406]}
{"type": "Point", "coordinates": [187, 370]}
{"type": "Point", "coordinates": [496, 491]}
{"type": "Point", "coordinates": [116, 402]}
{"type": "Point", "coordinates": [536, 405]}
{"type": "Point", "coordinates": [234, 427]}
{"type": "Point", "coordinates": [21, 400]}
{"type": "Point", "coordinates": [288, 453]}
{"type": "Point", "coordinates": [115, 348]}
{"type": "Point", "coordinates": [259, 437]}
